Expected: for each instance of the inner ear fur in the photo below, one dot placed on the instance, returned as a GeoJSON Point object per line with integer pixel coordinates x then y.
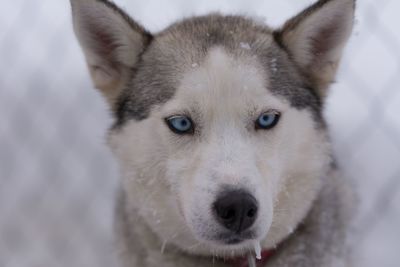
{"type": "Point", "coordinates": [111, 41]}
{"type": "Point", "coordinates": [316, 37]}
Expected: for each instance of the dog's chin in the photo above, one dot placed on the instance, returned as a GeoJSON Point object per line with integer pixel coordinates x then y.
{"type": "Point", "coordinates": [231, 243]}
{"type": "Point", "coordinates": [223, 244]}
{"type": "Point", "coordinates": [233, 247]}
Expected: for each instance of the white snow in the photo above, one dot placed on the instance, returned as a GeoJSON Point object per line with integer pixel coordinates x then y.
{"type": "Point", "coordinates": [245, 45]}
{"type": "Point", "coordinates": [274, 65]}
{"type": "Point", "coordinates": [163, 246]}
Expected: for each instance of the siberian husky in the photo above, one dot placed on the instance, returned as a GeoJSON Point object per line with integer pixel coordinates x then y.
{"type": "Point", "coordinates": [224, 153]}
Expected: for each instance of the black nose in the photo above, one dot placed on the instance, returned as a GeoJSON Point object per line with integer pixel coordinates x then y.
{"type": "Point", "coordinates": [236, 210]}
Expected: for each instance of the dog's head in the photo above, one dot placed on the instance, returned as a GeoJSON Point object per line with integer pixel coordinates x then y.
{"type": "Point", "coordinates": [218, 119]}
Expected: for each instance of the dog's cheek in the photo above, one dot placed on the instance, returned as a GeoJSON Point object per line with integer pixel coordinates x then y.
{"type": "Point", "coordinates": [304, 159]}
{"type": "Point", "coordinates": [141, 156]}
{"type": "Point", "coordinates": [268, 166]}
{"type": "Point", "coordinates": [179, 173]}
{"type": "Point", "coordinates": [194, 190]}
{"type": "Point", "coordinates": [179, 183]}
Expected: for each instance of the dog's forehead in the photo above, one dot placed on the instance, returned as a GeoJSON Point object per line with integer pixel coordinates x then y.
{"type": "Point", "coordinates": [224, 83]}
{"type": "Point", "coordinates": [189, 44]}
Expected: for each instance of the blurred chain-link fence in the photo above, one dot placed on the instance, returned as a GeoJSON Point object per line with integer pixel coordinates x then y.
{"type": "Point", "coordinates": [57, 178]}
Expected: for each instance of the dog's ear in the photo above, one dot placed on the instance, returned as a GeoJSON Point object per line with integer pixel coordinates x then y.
{"type": "Point", "coordinates": [316, 37]}
{"type": "Point", "coordinates": [112, 43]}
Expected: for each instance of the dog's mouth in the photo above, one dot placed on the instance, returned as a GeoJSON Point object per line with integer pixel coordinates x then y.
{"type": "Point", "coordinates": [234, 239]}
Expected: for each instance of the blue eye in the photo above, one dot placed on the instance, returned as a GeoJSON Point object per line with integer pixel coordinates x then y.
{"type": "Point", "coordinates": [267, 120]}
{"type": "Point", "coordinates": [180, 124]}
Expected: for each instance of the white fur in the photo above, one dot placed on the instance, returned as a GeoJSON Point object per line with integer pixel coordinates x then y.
{"type": "Point", "coordinates": [172, 180]}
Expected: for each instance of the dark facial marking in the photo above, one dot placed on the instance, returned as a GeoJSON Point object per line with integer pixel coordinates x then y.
{"type": "Point", "coordinates": [157, 75]}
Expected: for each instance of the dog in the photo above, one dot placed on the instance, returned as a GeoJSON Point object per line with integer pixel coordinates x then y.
{"type": "Point", "coordinates": [219, 133]}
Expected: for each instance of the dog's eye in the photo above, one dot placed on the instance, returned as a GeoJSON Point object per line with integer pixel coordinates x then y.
{"type": "Point", "coordinates": [180, 124]}
{"type": "Point", "coordinates": [267, 120]}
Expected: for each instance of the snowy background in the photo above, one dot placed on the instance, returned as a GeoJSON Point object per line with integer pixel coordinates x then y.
{"type": "Point", "coordinates": [57, 178]}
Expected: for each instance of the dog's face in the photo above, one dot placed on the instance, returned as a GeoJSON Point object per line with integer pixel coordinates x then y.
{"type": "Point", "coordinates": [218, 126]}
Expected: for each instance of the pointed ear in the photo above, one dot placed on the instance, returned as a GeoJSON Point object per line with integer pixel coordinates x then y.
{"type": "Point", "coordinates": [111, 41]}
{"type": "Point", "coordinates": [316, 37]}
